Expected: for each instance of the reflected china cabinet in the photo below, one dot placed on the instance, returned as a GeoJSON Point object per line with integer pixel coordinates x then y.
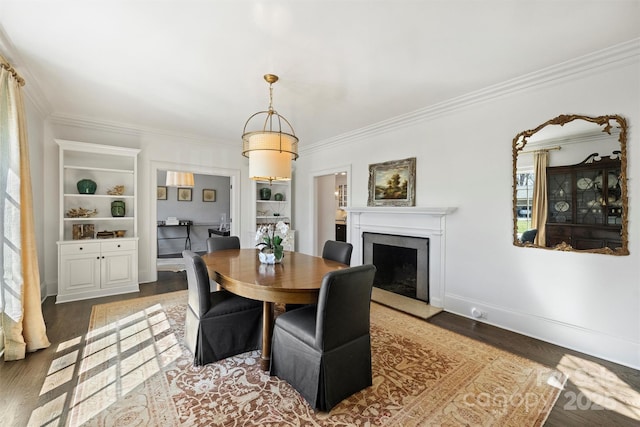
{"type": "Point", "coordinates": [584, 204]}
{"type": "Point", "coordinates": [98, 237]}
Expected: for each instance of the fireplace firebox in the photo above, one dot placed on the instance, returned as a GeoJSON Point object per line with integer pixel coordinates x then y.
{"type": "Point", "coordinates": [402, 263]}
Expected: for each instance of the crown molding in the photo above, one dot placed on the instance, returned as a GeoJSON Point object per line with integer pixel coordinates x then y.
{"type": "Point", "coordinates": [31, 89]}
{"type": "Point", "coordinates": [602, 59]}
{"type": "Point", "coordinates": [128, 129]}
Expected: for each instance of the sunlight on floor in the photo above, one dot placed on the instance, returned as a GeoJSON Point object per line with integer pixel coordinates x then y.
{"type": "Point", "coordinates": [115, 360]}
{"type": "Point", "coordinates": [599, 388]}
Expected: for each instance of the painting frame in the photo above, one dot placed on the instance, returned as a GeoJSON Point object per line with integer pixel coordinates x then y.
{"type": "Point", "coordinates": [381, 191]}
{"type": "Point", "coordinates": [208, 195]}
{"type": "Point", "coordinates": [185, 194]}
{"type": "Point", "coordinates": [161, 192]}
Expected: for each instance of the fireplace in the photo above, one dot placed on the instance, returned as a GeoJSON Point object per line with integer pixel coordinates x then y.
{"type": "Point", "coordinates": [402, 263]}
{"type": "Point", "coordinates": [425, 223]}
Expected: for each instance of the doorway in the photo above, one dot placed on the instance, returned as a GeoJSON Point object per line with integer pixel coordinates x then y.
{"type": "Point", "coordinates": [331, 199]}
{"type": "Point", "coordinates": [202, 206]}
{"type": "Point", "coordinates": [186, 216]}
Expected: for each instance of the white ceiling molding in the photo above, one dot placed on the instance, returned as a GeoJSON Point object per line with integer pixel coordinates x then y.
{"type": "Point", "coordinates": [128, 129]}
{"type": "Point", "coordinates": [570, 69]}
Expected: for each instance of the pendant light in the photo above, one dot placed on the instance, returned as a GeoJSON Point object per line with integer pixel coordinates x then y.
{"type": "Point", "coordinates": [179, 179]}
{"type": "Point", "coordinates": [270, 149]}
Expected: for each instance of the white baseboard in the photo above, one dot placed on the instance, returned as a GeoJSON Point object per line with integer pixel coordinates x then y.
{"type": "Point", "coordinates": [589, 341]}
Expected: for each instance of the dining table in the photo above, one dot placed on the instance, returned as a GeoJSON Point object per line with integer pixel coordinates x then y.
{"type": "Point", "coordinates": [295, 280]}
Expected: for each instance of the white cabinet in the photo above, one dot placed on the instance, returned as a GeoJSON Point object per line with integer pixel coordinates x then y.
{"type": "Point", "coordinates": [277, 206]}
{"type": "Point", "coordinates": [91, 269]}
{"type": "Point", "coordinates": [274, 206]}
{"type": "Point", "coordinates": [89, 266]}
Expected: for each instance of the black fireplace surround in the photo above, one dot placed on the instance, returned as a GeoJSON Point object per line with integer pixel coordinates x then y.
{"type": "Point", "coordinates": [402, 263]}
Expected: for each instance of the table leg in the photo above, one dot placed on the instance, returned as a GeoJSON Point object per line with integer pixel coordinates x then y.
{"type": "Point", "coordinates": [267, 331]}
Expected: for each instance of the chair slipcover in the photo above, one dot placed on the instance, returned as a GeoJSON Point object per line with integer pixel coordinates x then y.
{"type": "Point", "coordinates": [219, 324]}
{"type": "Point", "coordinates": [222, 242]}
{"type": "Point", "coordinates": [324, 351]}
{"type": "Point", "coordinates": [337, 251]}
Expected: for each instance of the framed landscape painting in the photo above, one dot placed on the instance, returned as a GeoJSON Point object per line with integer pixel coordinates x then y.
{"type": "Point", "coordinates": [392, 183]}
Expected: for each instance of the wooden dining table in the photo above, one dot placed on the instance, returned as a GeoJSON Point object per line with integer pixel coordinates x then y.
{"type": "Point", "coordinates": [296, 280]}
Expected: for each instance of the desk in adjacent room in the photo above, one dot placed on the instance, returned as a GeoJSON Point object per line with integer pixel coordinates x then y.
{"type": "Point", "coordinates": [182, 223]}
{"type": "Point", "coordinates": [217, 232]}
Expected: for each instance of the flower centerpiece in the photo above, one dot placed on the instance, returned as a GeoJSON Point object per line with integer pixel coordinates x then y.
{"type": "Point", "coordinates": [271, 239]}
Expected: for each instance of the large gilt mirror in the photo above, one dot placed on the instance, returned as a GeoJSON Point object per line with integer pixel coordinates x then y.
{"type": "Point", "coordinates": [570, 185]}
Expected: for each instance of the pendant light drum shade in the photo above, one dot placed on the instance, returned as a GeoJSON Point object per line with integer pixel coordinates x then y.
{"type": "Point", "coordinates": [270, 154]}
{"type": "Point", "coordinates": [270, 149]}
{"type": "Point", "coordinates": [179, 179]}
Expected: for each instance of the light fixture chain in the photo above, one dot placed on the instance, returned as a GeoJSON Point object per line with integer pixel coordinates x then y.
{"type": "Point", "coordinates": [270, 96]}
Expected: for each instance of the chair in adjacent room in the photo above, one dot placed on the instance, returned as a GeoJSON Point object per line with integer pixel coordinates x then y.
{"type": "Point", "coordinates": [219, 324]}
{"type": "Point", "coordinates": [324, 351]}
{"type": "Point", "coordinates": [222, 242]}
{"type": "Point", "coordinates": [529, 236]}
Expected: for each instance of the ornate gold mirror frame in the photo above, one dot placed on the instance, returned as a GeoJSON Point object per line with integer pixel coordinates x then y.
{"type": "Point", "coordinates": [607, 124]}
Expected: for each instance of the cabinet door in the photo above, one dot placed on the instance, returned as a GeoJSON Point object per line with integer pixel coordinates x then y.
{"type": "Point", "coordinates": [589, 201]}
{"type": "Point", "coordinates": [118, 268]}
{"type": "Point", "coordinates": [559, 186]}
{"type": "Point", "coordinates": [79, 273]}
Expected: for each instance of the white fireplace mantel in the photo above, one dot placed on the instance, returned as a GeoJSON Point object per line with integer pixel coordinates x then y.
{"type": "Point", "coordinates": [403, 210]}
{"type": "Point", "coordinates": [429, 222]}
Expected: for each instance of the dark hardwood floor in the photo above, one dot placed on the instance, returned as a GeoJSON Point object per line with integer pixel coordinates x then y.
{"type": "Point", "coordinates": [590, 397]}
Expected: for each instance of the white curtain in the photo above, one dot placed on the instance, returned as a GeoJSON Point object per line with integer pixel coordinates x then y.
{"type": "Point", "coordinates": [22, 321]}
{"type": "Point", "coordinates": [539, 203]}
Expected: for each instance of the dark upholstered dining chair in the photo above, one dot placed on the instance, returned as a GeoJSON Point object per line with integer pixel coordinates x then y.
{"type": "Point", "coordinates": [337, 251]}
{"type": "Point", "coordinates": [222, 242]}
{"type": "Point", "coordinates": [219, 324]}
{"type": "Point", "coordinates": [324, 351]}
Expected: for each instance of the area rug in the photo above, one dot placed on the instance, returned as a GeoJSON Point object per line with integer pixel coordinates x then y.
{"type": "Point", "coordinates": [135, 371]}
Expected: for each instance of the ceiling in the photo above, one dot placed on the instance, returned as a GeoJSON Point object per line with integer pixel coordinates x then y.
{"type": "Point", "coordinates": [194, 67]}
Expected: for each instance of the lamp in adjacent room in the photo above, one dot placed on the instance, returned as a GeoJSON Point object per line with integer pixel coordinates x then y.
{"type": "Point", "coordinates": [270, 148]}
{"type": "Point", "coordinates": [179, 179]}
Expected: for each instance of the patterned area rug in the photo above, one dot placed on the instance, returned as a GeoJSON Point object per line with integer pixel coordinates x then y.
{"type": "Point", "coordinates": [136, 372]}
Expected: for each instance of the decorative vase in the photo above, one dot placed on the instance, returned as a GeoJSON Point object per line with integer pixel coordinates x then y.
{"type": "Point", "coordinates": [265, 193]}
{"type": "Point", "coordinates": [278, 197]}
{"type": "Point", "coordinates": [86, 186]}
{"type": "Point", "coordinates": [269, 257]}
{"type": "Point", "coordinates": [117, 208]}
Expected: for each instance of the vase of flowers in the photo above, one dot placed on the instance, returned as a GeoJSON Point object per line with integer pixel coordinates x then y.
{"type": "Point", "coordinates": [271, 240]}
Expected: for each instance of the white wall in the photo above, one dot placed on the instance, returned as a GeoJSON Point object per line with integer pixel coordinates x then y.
{"type": "Point", "coordinates": [588, 302]}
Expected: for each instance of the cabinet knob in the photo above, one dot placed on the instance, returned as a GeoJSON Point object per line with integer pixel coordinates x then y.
{"type": "Point", "coordinates": [80, 247]}
{"type": "Point", "coordinates": [118, 245]}
{"type": "Point", "coordinates": [97, 257]}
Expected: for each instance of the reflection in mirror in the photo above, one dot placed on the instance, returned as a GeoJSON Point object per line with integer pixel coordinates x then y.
{"type": "Point", "coordinates": [570, 185]}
